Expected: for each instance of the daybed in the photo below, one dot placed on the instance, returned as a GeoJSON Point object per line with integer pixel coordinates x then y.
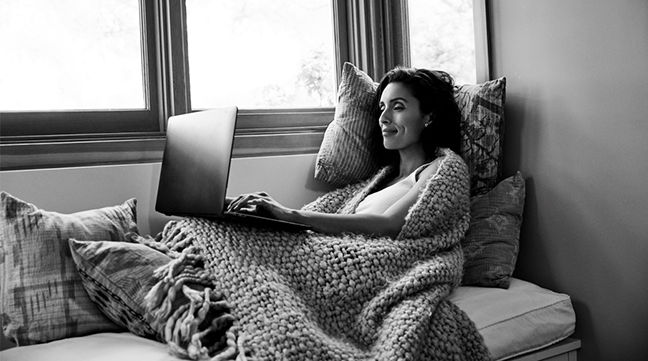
{"type": "Point", "coordinates": [525, 322]}
{"type": "Point", "coordinates": [63, 305]}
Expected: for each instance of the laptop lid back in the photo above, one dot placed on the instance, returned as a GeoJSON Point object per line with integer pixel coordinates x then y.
{"type": "Point", "coordinates": [196, 163]}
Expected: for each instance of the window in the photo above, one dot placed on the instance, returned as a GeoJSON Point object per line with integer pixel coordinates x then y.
{"type": "Point", "coordinates": [71, 55]}
{"type": "Point", "coordinates": [93, 81]}
{"type": "Point", "coordinates": [261, 54]}
{"type": "Point", "coordinates": [442, 37]}
{"type": "Point", "coordinates": [76, 67]}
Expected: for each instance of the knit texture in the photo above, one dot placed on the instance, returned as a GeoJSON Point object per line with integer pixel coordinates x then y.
{"type": "Point", "coordinates": [310, 296]}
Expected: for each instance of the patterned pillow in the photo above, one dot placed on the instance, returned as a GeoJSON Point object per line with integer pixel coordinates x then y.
{"type": "Point", "coordinates": [346, 153]}
{"type": "Point", "coordinates": [117, 276]}
{"type": "Point", "coordinates": [42, 297]}
{"type": "Point", "coordinates": [482, 121]}
{"type": "Point", "coordinates": [492, 241]}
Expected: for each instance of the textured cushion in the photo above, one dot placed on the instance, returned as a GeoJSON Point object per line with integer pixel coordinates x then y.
{"type": "Point", "coordinates": [42, 295]}
{"type": "Point", "coordinates": [117, 276]}
{"type": "Point", "coordinates": [482, 120]}
{"type": "Point", "coordinates": [491, 242]}
{"type": "Point", "coordinates": [97, 347]}
{"type": "Point", "coordinates": [518, 320]}
{"type": "Point", "coordinates": [346, 153]}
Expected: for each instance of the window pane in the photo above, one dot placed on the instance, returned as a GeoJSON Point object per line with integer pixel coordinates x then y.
{"type": "Point", "coordinates": [260, 53]}
{"type": "Point", "coordinates": [442, 37]}
{"type": "Point", "coordinates": [70, 55]}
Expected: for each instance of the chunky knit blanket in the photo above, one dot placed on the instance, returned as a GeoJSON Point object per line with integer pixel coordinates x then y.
{"type": "Point", "coordinates": [237, 292]}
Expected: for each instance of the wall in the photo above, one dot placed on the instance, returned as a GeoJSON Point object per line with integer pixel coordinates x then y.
{"type": "Point", "coordinates": [577, 127]}
{"type": "Point", "coordinates": [288, 178]}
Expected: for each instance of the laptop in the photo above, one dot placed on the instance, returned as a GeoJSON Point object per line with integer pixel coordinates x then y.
{"type": "Point", "coordinates": [195, 169]}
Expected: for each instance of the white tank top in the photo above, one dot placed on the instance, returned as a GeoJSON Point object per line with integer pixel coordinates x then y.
{"type": "Point", "coordinates": [379, 202]}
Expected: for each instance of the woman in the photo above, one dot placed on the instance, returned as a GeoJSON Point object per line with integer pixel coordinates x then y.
{"type": "Point", "coordinates": [418, 116]}
{"type": "Point", "coordinates": [377, 292]}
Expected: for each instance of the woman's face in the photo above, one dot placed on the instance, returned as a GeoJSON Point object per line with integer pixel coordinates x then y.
{"type": "Point", "coordinates": [401, 120]}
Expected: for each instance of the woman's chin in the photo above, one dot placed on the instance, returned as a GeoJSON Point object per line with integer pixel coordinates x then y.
{"type": "Point", "coordinates": [389, 143]}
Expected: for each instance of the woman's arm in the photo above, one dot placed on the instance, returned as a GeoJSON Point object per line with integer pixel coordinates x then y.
{"type": "Point", "coordinates": [388, 223]}
{"type": "Point", "coordinates": [373, 224]}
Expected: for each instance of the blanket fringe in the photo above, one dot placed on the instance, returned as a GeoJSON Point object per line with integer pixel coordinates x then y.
{"type": "Point", "coordinates": [189, 314]}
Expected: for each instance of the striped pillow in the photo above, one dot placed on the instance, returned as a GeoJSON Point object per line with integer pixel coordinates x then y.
{"type": "Point", "coordinates": [346, 153]}
{"type": "Point", "coordinates": [41, 293]}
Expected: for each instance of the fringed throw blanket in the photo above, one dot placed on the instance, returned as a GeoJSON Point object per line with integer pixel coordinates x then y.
{"type": "Point", "coordinates": [237, 292]}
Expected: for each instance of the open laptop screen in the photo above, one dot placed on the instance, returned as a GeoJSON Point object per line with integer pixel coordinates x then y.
{"type": "Point", "coordinates": [196, 163]}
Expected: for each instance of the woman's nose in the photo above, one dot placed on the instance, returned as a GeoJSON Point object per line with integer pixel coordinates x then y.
{"type": "Point", "coordinates": [384, 117]}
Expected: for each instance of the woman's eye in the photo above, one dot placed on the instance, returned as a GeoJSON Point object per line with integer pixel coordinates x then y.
{"type": "Point", "coordinates": [399, 107]}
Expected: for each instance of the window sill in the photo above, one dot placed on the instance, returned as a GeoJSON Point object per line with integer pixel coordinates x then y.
{"type": "Point", "coordinates": [258, 133]}
{"type": "Point", "coordinates": [90, 152]}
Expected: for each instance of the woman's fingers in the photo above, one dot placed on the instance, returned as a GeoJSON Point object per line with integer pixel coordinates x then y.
{"type": "Point", "coordinates": [248, 202]}
{"type": "Point", "coordinates": [239, 202]}
{"type": "Point", "coordinates": [259, 202]}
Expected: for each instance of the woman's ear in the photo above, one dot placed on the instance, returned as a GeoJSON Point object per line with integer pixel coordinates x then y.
{"type": "Point", "coordinates": [427, 119]}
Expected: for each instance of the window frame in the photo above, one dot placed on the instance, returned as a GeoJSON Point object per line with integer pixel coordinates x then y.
{"type": "Point", "coordinates": [371, 34]}
{"type": "Point", "coordinates": [35, 125]}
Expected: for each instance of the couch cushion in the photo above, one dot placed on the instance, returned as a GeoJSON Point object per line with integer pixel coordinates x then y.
{"type": "Point", "coordinates": [98, 347]}
{"type": "Point", "coordinates": [523, 318]}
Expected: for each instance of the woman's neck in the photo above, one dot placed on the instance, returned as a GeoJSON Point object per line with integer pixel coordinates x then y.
{"type": "Point", "coordinates": [410, 159]}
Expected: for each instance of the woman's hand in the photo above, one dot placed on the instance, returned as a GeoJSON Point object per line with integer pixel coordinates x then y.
{"type": "Point", "coordinates": [260, 203]}
{"type": "Point", "coordinates": [244, 202]}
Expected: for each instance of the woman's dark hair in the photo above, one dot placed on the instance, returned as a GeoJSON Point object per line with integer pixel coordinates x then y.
{"type": "Point", "coordinates": [434, 90]}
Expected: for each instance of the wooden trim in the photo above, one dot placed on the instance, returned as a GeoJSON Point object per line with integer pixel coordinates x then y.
{"type": "Point", "coordinates": [259, 132]}
{"type": "Point", "coordinates": [568, 346]}
{"type": "Point", "coordinates": [480, 21]}
{"type": "Point", "coordinates": [77, 153]}
{"type": "Point", "coordinates": [272, 120]}
{"type": "Point", "coordinates": [173, 56]}
{"type": "Point", "coordinates": [144, 149]}
{"type": "Point", "coordinates": [34, 124]}
{"type": "Point", "coordinates": [150, 65]}
{"type": "Point", "coordinates": [341, 35]}
{"type": "Point", "coordinates": [254, 145]}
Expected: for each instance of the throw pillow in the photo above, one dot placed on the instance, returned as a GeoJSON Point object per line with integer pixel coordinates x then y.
{"type": "Point", "coordinates": [492, 241]}
{"type": "Point", "coordinates": [482, 121]}
{"type": "Point", "coordinates": [42, 297]}
{"type": "Point", "coordinates": [346, 153]}
{"type": "Point", "coordinates": [117, 277]}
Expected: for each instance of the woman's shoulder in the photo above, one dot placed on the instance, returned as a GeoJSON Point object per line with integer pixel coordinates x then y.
{"type": "Point", "coordinates": [427, 170]}
{"type": "Point", "coordinates": [446, 161]}
{"type": "Point", "coordinates": [450, 158]}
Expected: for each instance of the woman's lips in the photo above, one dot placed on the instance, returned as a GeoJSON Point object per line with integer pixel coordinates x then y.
{"type": "Point", "coordinates": [388, 132]}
